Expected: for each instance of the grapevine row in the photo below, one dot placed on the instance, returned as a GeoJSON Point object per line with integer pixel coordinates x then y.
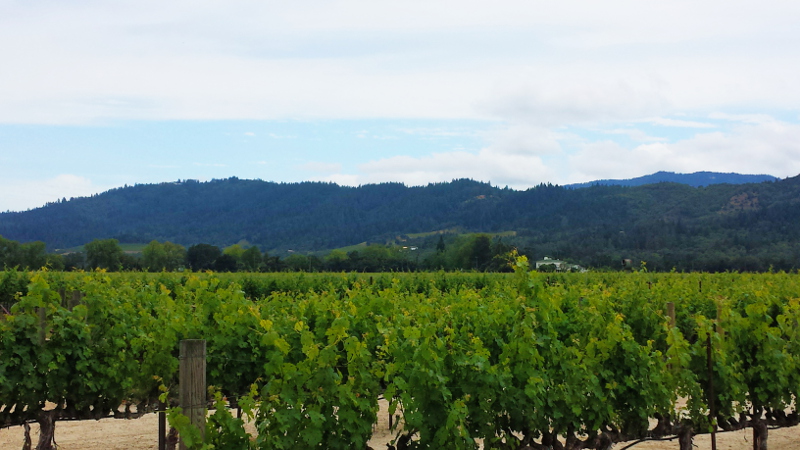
{"type": "Point", "coordinates": [529, 361]}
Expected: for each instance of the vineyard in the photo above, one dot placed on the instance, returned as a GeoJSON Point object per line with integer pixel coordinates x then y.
{"type": "Point", "coordinates": [466, 361]}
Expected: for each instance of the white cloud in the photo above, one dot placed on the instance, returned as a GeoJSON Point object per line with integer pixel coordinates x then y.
{"type": "Point", "coordinates": [578, 100]}
{"type": "Point", "coordinates": [523, 139]}
{"type": "Point", "coordinates": [75, 62]}
{"type": "Point", "coordinates": [636, 135]}
{"type": "Point", "coordinates": [666, 122]}
{"type": "Point", "coordinates": [769, 147]}
{"type": "Point", "coordinates": [19, 195]}
{"type": "Point", "coordinates": [542, 71]}
{"type": "Point", "coordinates": [523, 156]}
{"type": "Point", "coordinates": [744, 118]}
{"type": "Point", "coordinates": [514, 170]}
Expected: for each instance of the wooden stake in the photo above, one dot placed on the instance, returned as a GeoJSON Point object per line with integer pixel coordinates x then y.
{"type": "Point", "coordinates": [671, 314]}
{"type": "Point", "coordinates": [712, 412]}
{"type": "Point", "coordinates": [193, 383]}
{"type": "Point", "coordinates": [162, 426]}
{"type": "Point", "coordinates": [77, 297]}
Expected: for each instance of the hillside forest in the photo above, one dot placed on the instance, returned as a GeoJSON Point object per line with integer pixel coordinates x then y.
{"type": "Point", "coordinates": [253, 225]}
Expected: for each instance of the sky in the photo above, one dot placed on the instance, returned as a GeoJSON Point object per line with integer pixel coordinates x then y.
{"type": "Point", "coordinates": [102, 94]}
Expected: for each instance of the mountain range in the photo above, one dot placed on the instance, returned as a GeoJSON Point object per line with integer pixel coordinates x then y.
{"type": "Point", "coordinates": [716, 227]}
{"type": "Point", "coordinates": [696, 179]}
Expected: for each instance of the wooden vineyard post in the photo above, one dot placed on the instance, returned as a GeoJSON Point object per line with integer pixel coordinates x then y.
{"type": "Point", "coordinates": [77, 297]}
{"type": "Point", "coordinates": [712, 412]}
{"type": "Point", "coordinates": [162, 426]}
{"type": "Point", "coordinates": [193, 383]}
{"type": "Point", "coordinates": [671, 314]}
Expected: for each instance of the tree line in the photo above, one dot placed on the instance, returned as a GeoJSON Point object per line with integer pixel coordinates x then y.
{"type": "Point", "coordinates": [479, 252]}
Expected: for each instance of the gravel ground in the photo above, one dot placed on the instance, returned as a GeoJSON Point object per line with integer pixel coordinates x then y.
{"type": "Point", "coordinates": [142, 434]}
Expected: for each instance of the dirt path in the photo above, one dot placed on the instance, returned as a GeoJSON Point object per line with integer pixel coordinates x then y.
{"type": "Point", "coordinates": [141, 434]}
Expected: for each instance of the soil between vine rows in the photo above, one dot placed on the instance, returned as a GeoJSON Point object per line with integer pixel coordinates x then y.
{"type": "Point", "coordinates": [142, 434]}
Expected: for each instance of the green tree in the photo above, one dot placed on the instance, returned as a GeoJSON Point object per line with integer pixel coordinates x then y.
{"type": "Point", "coordinates": [74, 261]}
{"type": "Point", "coordinates": [153, 256]}
{"type": "Point", "coordinates": [55, 261]}
{"type": "Point", "coordinates": [167, 256]}
{"type": "Point", "coordinates": [202, 256]}
{"type": "Point", "coordinates": [481, 251]}
{"type": "Point", "coordinates": [436, 261]}
{"type": "Point", "coordinates": [440, 247]}
{"type": "Point", "coordinates": [9, 252]}
{"type": "Point", "coordinates": [297, 262]}
{"type": "Point", "coordinates": [104, 254]}
{"type": "Point", "coordinates": [375, 258]}
{"type": "Point", "coordinates": [33, 255]}
{"type": "Point", "coordinates": [225, 263]}
{"type": "Point", "coordinates": [176, 255]}
{"type": "Point", "coordinates": [336, 260]}
{"type": "Point", "coordinates": [472, 252]}
{"type": "Point", "coordinates": [234, 250]}
{"type": "Point", "coordinates": [130, 262]}
{"type": "Point", "coordinates": [251, 259]}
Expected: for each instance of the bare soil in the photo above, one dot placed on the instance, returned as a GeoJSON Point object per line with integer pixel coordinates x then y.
{"type": "Point", "coordinates": [142, 434]}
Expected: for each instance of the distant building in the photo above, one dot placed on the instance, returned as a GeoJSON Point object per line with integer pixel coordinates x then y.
{"type": "Point", "coordinates": [558, 265]}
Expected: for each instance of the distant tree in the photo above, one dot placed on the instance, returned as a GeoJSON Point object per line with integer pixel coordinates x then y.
{"type": "Point", "coordinates": [375, 258]}
{"type": "Point", "coordinates": [130, 262]}
{"type": "Point", "coordinates": [167, 256]}
{"type": "Point", "coordinates": [55, 262]}
{"type": "Point", "coordinates": [481, 251]}
{"type": "Point", "coordinates": [33, 255]}
{"type": "Point", "coordinates": [202, 256]}
{"type": "Point", "coordinates": [435, 261]}
{"type": "Point", "coordinates": [154, 256]}
{"type": "Point", "coordinates": [234, 250]}
{"type": "Point", "coordinates": [547, 268]}
{"type": "Point", "coordinates": [175, 255]}
{"type": "Point", "coordinates": [314, 263]}
{"type": "Point", "coordinates": [297, 262]}
{"type": "Point", "coordinates": [9, 253]}
{"type": "Point", "coordinates": [354, 258]}
{"type": "Point", "coordinates": [502, 257]}
{"type": "Point", "coordinates": [440, 247]}
{"type": "Point", "coordinates": [74, 261]}
{"type": "Point", "coordinates": [104, 254]}
{"type": "Point", "coordinates": [251, 259]}
{"type": "Point", "coordinates": [273, 263]}
{"type": "Point", "coordinates": [336, 260]}
{"type": "Point", "coordinates": [225, 263]}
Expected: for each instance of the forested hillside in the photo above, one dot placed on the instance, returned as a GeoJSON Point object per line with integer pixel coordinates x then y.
{"type": "Point", "coordinates": [696, 179]}
{"type": "Point", "coordinates": [718, 227]}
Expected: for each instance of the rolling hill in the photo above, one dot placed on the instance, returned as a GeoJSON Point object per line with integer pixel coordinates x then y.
{"type": "Point", "coordinates": [676, 224]}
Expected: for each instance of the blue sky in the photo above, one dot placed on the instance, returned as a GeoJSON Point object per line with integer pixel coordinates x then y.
{"type": "Point", "coordinates": [98, 94]}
